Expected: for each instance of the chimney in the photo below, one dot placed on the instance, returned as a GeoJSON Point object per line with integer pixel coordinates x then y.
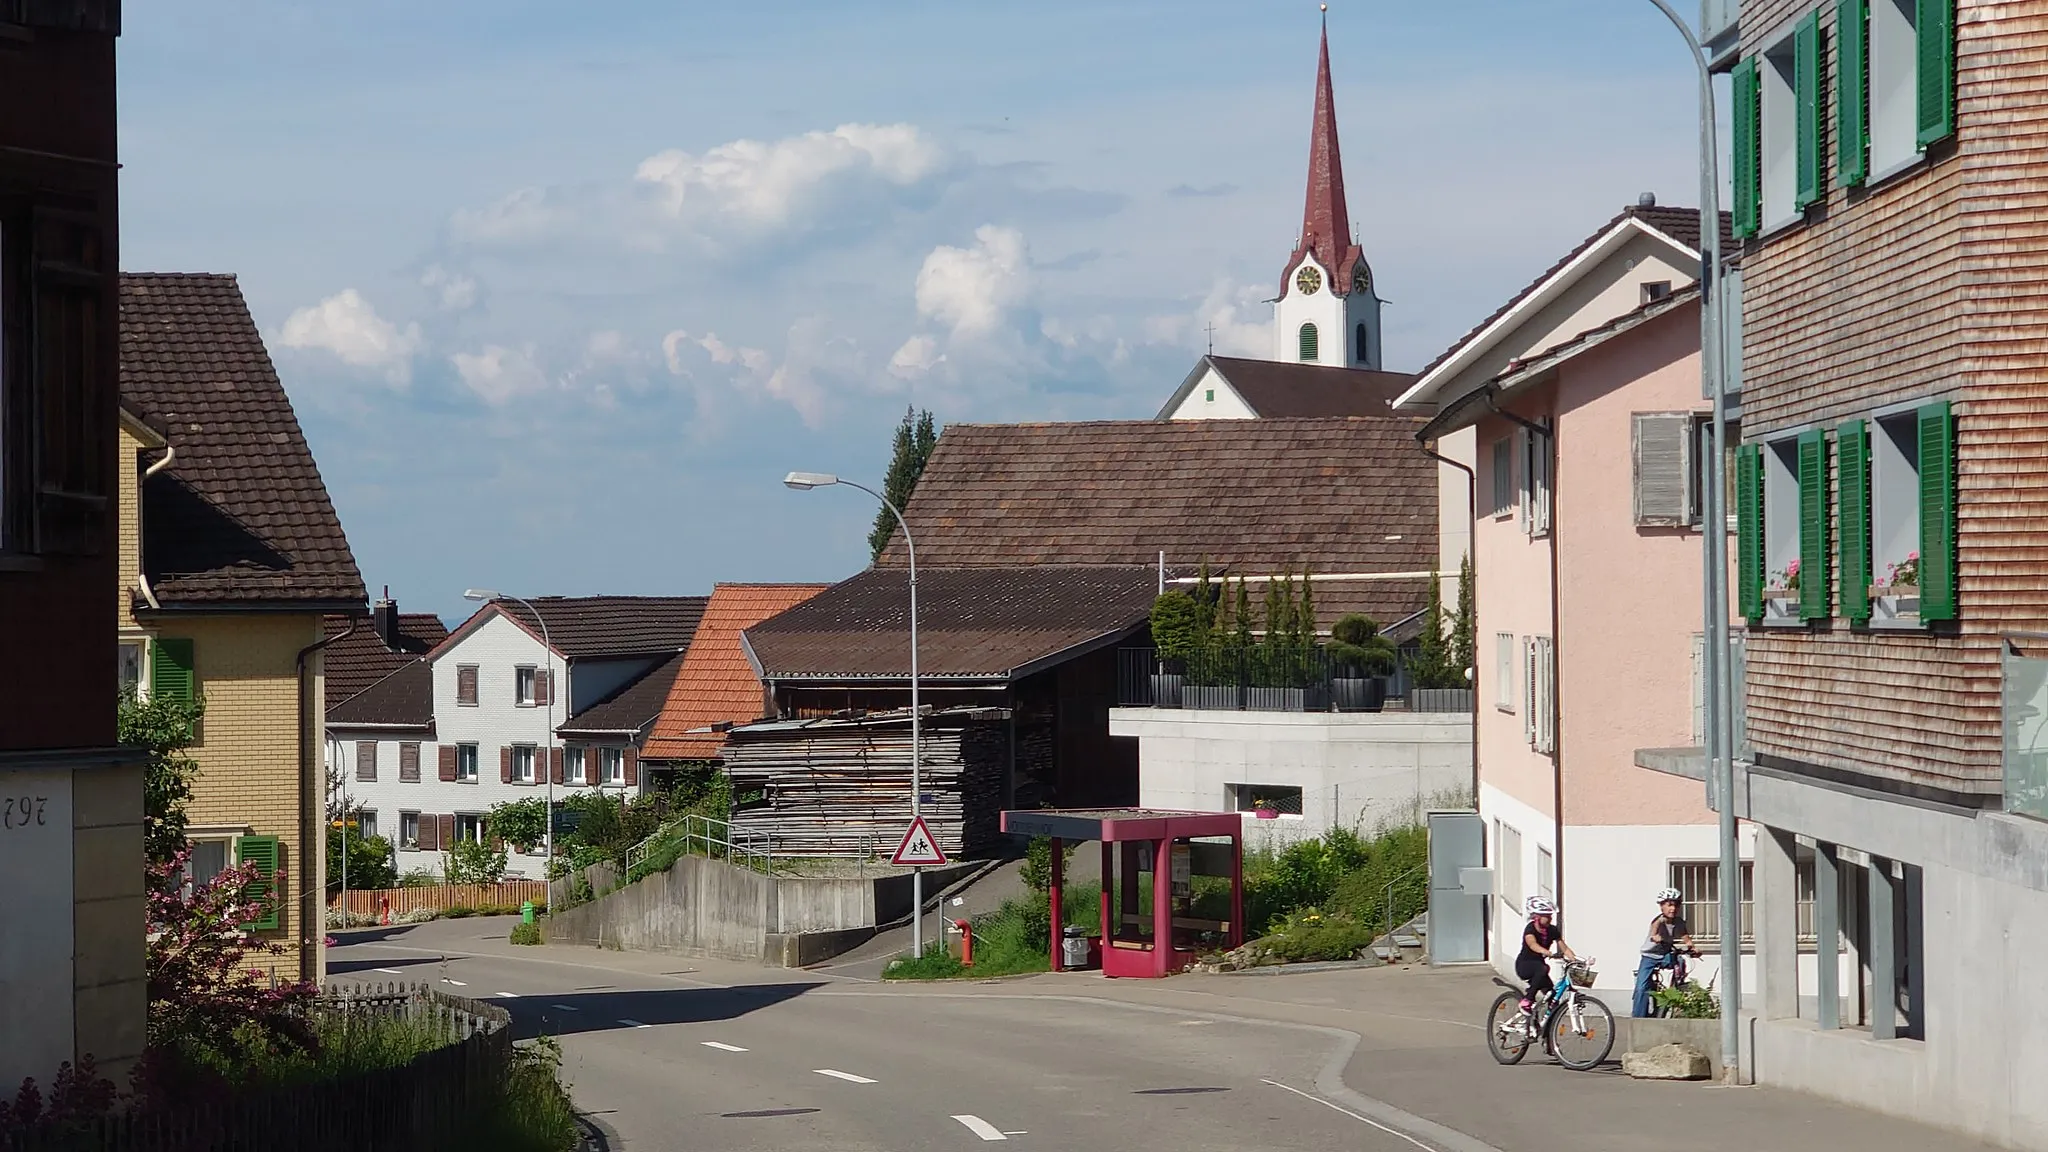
{"type": "Point", "coordinates": [384, 617]}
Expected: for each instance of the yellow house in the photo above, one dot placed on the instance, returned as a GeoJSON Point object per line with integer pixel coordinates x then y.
{"type": "Point", "coordinates": [231, 555]}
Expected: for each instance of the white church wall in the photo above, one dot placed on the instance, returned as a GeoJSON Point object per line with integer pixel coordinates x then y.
{"type": "Point", "coordinates": [1213, 399]}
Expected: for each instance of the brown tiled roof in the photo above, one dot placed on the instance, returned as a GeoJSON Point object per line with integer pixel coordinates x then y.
{"type": "Point", "coordinates": [241, 515]}
{"type": "Point", "coordinates": [360, 659]}
{"type": "Point", "coordinates": [632, 707]}
{"type": "Point", "coordinates": [1254, 496]}
{"type": "Point", "coordinates": [972, 623]}
{"type": "Point", "coordinates": [599, 626]}
{"type": "Point", "coordinates": [716, 683]}
{"type": "Point", "coordinates": [403, 696]}
{"type": "Point", "coordinates": [1282, 389]}
{"type": "Point", "coordinates": [1681, 224]}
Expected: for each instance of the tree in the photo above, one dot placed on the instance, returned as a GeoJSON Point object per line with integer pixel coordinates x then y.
{"type": "Point", "coordinates": [1431, 666]}
{"type": "Point", "coordinates": [1463, 651]}
{"type": "Point", "coordinates": [364, 863]}
{"type": "Point", "coordinates": [1356, 645]}
{"type": "Point", "coordinates": [520, 822]}
{"type": "Point", "coordinates": [475, 862]}
{"type": "Point", "coordinates": [1175, 627]}
{"type": "Point", "coordinates": [163, 728]}
{"type": "Point", "coordinates": [203, 992]}
{"type": "Point", "coordinates": [916, 436]}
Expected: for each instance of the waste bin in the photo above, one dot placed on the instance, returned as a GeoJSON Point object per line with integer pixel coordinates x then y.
{"type": "Point", "coordinates": [526, 912]}
{"type": "Point", "coordinates": [1074, 948]}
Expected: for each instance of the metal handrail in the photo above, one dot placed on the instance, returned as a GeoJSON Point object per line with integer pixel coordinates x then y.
{"type": "Point", "coordinates": [716, 838]}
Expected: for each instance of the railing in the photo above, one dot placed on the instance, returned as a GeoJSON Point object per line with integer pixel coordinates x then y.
{"type": "Point", "coordinates": [1267, 680]}
{"type": "Point", "coordinates": [430, 1102]}
{"type": "Point", "coordinates": [697, 835]}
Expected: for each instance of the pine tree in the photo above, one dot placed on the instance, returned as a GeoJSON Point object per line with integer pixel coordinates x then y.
{"type": "Point", "coordinates": [1463, 651]}
{"type": "Point", "coordinates": [1431, 664]}
{"type": "Point", "coordinates": [1206, 614]}
{"type": "Point", "coordinates": [1305, 614]}
{"type": "Point", "coordinates": [915, 438]}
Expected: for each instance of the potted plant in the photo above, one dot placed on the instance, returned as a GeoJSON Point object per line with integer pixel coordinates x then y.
{"type": "Point", "coordinates": [1361, 659]}
{"type": "Point", "coordinates": [1175, 632]}
{"type": "Point", "coordinates": [1783, 584]}
{"type": "Point", "coordinates": [1265, 809]}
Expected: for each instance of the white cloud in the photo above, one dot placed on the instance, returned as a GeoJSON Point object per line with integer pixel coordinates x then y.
{"type": "Point", "coordinates": [456, 291]}
{"type": "Point", "coordinates": [345, 325]}
{"type": "Point", "coordinates": [499, 374]}
{"type": "Point", "coordinates": [765, 183]}
{"type": "Point", "coordinates": [970, 289]}
{"type": "Point", "coordinates": [753, 360]}
{"type": "Point", "coordinates": [1233, 318]}
{"type": "Point", "coordinates": [525, 214]}
{"type": "Point", "coordinates": [915, 358]}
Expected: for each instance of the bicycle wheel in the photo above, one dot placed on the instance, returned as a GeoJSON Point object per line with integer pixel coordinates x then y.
{"type": "Point", "coordinates": [1507, 1029]}
{"type": "Point", "coordinates": [1581, 1032]}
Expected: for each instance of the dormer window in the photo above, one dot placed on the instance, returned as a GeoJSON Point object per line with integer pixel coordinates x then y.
{"type": "Point", "coordinates": [1655, 290]}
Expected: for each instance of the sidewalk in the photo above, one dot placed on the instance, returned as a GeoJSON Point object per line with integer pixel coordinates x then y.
{"type": "Point", "coordinates": [1421, 1049]}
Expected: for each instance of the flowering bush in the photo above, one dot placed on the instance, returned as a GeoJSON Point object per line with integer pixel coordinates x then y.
{"type": "Point", "coordinates": [77, 1097]}
{"type": "Point", "coordinates": [1787, 578]}
{"type": "Point", "coordinates": [1906, 571]}
{"type": "Point", "coordinates": [202, 989]}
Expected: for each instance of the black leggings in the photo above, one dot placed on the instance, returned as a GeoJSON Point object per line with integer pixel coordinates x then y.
{"type": "Point", "coordinates": [1533, 970]}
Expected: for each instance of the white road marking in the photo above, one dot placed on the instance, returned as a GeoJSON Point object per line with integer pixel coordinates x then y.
{"type": "Point", "coordinates": [566, 1007]}
{"type": "Point", "coordinates": [633, 1023]}
{"type": "Point", "coordinates": [1350, 1113]}
{"type": "Point", "coordinates": [722, 1047]}
{"type": "Point", "coordinates": [838, 1075]}
{"type": "Point", "coordinates": [457, 983]}
{"type": "Point", "coordinates": [507, 995]}
{"type": "Point", "coordinates": [391, 971]}
{"type": "Point", "coordinates": [1016, 1132]}
{"type": "Point", "coordinates": [981, 1128]}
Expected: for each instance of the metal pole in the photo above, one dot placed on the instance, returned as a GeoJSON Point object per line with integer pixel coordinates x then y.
{"type": "Point", "coordinates": [1720, 711]}
{"type": "Point", "coordinates": [916, 734]}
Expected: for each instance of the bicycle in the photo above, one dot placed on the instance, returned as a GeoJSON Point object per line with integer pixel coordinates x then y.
{"type": "Point", "coordinates": [1670, 976]}
{"type": "Point", "coordinates": [1575, 1026]}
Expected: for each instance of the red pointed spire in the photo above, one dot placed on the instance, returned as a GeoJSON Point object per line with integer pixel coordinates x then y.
{"type": "Point", "coordinates": [1325, 218]}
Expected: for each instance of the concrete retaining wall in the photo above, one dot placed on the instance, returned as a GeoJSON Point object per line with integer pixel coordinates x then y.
{"type": "Point", "coordinates": [702, 907]}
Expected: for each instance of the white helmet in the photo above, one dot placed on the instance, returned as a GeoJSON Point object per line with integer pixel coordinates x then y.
{"type": "Point", "coordinates": [1664, 894]}
{"type": "Point", "coordinates": [1541, 906]}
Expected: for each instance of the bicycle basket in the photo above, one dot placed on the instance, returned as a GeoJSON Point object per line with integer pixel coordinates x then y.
{"type": "Point", "coordinates": [1581, 974]}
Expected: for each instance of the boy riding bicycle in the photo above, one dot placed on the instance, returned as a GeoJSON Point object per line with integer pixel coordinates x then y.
{"type": "Point", "coordinates": [1669, 937]}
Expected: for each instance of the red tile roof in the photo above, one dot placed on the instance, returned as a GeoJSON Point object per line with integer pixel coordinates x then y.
{"type": "Point", "coordinates": [352, 664]}
{"type": "Point", "coordinates": [716, 683]}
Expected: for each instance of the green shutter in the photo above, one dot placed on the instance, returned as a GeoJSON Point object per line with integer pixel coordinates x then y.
{"type": "Point", "coordinates": [1807, 103]}
{"type": "Point", "coordinates": [1745, 158]}
{"type": "Point", "coordinates": [1749, 531]}
{"type": "Point", "coordinates": [1852, 92]}
{"type": "Point", "coordinates": [1813, 525]}
{"type": "Point", "coordinates": [263, 852]}
{"type": "Point", "coordinates": [1937, 512]}
{"type": "Point", "coordinates": [1936, 29]}
{"type": "Point", "coordinates": [170, 670]}
{"type": "Point", "coordinates": [1309, 350]}
{"type": "Point", "coordinates": [1852, 515]}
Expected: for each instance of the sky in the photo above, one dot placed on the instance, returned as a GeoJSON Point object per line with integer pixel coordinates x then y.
{"type": "Point", "coordinates": [560, 292]}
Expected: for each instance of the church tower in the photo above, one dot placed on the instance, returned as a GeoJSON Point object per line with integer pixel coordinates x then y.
{"type": "Point", "coordinates": [1327, 312]}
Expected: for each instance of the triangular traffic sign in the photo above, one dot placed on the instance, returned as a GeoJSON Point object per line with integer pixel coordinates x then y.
{"type": "Point", "coordinates": [919, 846]}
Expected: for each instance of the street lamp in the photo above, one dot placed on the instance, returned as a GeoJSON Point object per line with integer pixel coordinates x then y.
{"type": "Point", "coordinates": [804, 482]}
{"type": "Point", "coordinates": [545, 767]}
{"type": "Point", "coordinates": [1720, 709]}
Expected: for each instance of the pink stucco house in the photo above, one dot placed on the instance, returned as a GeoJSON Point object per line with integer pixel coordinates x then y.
{"type": "Point", "coordinates": [1580, 400]}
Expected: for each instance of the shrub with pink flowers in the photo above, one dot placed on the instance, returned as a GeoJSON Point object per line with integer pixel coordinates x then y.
{"type": "Point", "coordinates": [1905, 572]}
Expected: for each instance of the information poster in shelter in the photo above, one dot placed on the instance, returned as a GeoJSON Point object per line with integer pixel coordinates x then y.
{"type": "Point", "coordinates": [1183, 871]}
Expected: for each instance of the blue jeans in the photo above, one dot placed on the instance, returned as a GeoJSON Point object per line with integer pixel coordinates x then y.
{"type": "Point", "coordinates": [1646, 967]}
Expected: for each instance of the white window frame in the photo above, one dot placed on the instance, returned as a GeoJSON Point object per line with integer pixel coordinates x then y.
{"type": "Point", "coordinates": [468, 826]}
{"type": "Point", "coordinates": [194, 839]}
{"type": "Point", "coordinates": [139, 645]}
{"type": "Point", "coordinates": [1894, 505]}
{"type": "Point", "coordinates": [575, 770]}
{"type": "Point", "coordinates": [1893, 66]}
{"type": "Point", "coordinates": [1780, 461]}
{"type": "Point", "coordinates": [1504, 671]}
{"type": "Point", "coordinates": [611, 764]}
{"type": "Point", "coordinates": [524, 759]}
{"type": "Point", "coordinates": [1504, 477]}
{"type": "Point", "coordinates": [465, 773]}
{"type": "Point", "coordinates": [1535, 451]}
{"type": "Point", "coordinates": [409, 843]}
{"type": "Point", "coordinates": [526, 686]}
{"type": "Point", "coordinates": [1508, 849]}
{"type": "Point", "coordinates": [1778, 136]}
{"type": "Point", "coordinates": [1542, 722]}
{"type": "Point", "coordinates": [1288, 798]}
{"type": "Point", "coordinates": [366, 822]}
{"type": "Point", "coordinates": [1546, 871]}
{"type": "Point", "coordinates": [1665, 469]}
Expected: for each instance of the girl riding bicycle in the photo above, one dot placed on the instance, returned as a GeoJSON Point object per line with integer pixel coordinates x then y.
{"type": "Point", "coordinates": [1541, 938]}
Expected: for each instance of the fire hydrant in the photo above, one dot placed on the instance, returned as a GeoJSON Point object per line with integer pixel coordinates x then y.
{"type": "Point", "coordinates": [966, 931]}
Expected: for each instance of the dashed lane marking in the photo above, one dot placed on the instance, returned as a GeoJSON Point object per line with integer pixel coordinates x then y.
{"type": "Point", "coordinates": [722, 1047]}
{"type": "Point", "coordinates": [981, 1128]}
{"type": "Point", "coordinates": [836, 1074]}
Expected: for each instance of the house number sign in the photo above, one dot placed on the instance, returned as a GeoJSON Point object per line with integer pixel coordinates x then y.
{"type": "Point", "coordinates": [25, 812]}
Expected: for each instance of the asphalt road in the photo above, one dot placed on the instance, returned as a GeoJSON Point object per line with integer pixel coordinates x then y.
{"type": "Point", "coordinates": [705, 1055]}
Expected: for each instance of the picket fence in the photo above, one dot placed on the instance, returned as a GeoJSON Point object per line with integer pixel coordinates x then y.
{"type": "Point", "coordinates": [441, 897]}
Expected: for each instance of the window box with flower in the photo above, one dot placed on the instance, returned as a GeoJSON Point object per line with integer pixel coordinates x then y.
{"type": "Point", "coordinates": [1898, 596]}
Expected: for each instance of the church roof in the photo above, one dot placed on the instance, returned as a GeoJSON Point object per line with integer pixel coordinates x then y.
{"type": "Point", "coordinates": [1325, 219]}
{"type": "Point", "coordinates": [1282, 389]}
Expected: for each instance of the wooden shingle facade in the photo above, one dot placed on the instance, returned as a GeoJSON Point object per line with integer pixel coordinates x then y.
{"type": "Point", "coordinates": [1914, 287]}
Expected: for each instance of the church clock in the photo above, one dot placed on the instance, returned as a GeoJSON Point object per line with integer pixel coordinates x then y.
{"type": "Point", "coordinates": [1309, 281]}
{"type": "Point", "coordinates": [1361, 279]}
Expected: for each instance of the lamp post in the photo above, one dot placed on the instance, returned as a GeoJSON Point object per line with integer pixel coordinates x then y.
{"type": "Point", "coordinates": [546, 766]}
{"type": "Point", "coordinates": [1720, 733]}
{"type": "Point", "coordinates": [804, 482]}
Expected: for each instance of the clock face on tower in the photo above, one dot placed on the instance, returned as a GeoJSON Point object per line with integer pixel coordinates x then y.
{"type": "Point", "coordinates": [1309, 281]}
{"type": "Point", "coordinates": [1361, 280]}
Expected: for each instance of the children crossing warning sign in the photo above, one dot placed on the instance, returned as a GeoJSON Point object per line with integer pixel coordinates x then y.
{"type": "Point", "coordinates": [919, 846]}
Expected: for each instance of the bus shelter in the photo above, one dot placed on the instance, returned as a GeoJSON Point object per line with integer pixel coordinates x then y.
{"type": "Point", "coordinates": [1150, 924]}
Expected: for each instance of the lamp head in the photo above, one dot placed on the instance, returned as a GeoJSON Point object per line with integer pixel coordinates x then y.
{"type": "Point", "coordinates": [480, 594]}
{"type": "Point", "coordinates": [805, 481]}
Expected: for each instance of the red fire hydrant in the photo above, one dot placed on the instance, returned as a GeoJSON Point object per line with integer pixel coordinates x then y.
{"type": "Point", "coordinates": [966, 931]}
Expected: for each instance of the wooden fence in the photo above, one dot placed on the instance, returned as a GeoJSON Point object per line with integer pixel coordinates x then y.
{"type": "Point", "coordinates": [428, 1104]}
{"type": "Point", "coordinates": [441, 897]}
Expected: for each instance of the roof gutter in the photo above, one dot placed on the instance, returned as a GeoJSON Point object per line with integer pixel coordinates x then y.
{"type": "Point", "coordinates": [141, 577]}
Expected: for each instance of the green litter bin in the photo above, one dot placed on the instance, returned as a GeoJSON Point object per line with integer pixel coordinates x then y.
{"type": "Point", "coordinates": [526, 912]}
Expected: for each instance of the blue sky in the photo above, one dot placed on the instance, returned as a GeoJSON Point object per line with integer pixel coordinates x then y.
{"type": "Point", "coordinates": [561, 291]}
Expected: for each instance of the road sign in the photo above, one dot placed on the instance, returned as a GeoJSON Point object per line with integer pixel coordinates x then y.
{"type": "Point", "coordinates": [919, 846]}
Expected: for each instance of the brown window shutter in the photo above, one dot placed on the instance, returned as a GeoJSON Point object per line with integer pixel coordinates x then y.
{"type": "Point", "coordinates": [543, 687]}
{"type": "Point", "coordinates": [465, 684]}
{"type": "Point", "coordinates": [505, 765]}
{"type": "Point", "coordinates": [430, 832]}
{"type": "Point", "coordinates": [366, 759]}
{"type": "Point", "coordinates": [447, 762]}
{"type": "Point", "coordinates": [555, 764]}
{"type": "Point", "coordinates": [447, 831]}
{"type": "Point", "coordinates": [409, 763]}
{"type": "Point", "coordinates": [632, 757]}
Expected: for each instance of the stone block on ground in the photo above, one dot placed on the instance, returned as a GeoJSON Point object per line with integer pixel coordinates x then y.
{"type": "Point", "coordinates": [1668, 1062]}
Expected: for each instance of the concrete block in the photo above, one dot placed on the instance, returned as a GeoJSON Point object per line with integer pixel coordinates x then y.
{"type": "Point", "coordinates": [108, 941]}
{"type": "Point", "coordinates": [1667, 1062]}
{"type": "Point", "coordinates": [104, 797]}
{"type": "Point", "coordinates": [106, 862]}
{"type": "Point", "coordinates": [111, 1022]}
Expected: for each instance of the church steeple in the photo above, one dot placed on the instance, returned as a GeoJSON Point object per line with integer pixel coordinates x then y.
{"type": "Point", "coordinates": [1328, 311]}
